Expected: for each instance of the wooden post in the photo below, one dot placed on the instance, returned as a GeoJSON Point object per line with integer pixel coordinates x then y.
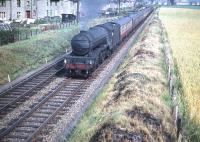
{"type": "Point", "coordinates": [9, 78]}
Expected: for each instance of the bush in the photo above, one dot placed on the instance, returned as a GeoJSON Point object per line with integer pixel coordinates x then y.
{"type": "Point", "coordinates": [7, 36]}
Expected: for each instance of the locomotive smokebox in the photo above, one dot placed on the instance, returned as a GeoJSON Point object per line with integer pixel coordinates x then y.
{"type": "Point", "coordinates": [80, 44]}
{"type": "Point", "coordinates": [86, 41]}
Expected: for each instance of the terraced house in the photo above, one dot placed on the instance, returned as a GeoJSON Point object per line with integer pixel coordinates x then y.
{"type": "Point", "coordinates": [20, 9]}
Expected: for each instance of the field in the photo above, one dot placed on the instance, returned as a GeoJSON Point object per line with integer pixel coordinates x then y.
{"type": "Point", "coordinates": [135, 104]}
{"type": "Point", "coordinates": [183, 28]}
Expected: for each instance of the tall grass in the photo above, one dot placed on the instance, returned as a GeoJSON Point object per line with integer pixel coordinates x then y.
{"type": "Point", "coordinates": [183, 27]}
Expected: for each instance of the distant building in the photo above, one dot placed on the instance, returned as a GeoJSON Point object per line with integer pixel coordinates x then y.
{"type": "Point", "coordinates": [20, 9]}
{"type": "Point", "coordinates": [177, 2]}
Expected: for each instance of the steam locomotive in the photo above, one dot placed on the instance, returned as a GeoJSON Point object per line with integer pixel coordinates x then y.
{"type": "Point", "coordinates": [90, 48]}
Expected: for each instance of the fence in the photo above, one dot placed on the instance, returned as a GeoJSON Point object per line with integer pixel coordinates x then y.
{"type": "Point", "coordinates": [20, 32]}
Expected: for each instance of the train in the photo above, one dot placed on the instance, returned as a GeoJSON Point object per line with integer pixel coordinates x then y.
{"type": "Point", "coordinates": [90, 48]}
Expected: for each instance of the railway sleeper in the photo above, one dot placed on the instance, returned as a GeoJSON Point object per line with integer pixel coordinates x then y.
{"type": "Point", "coordinates": [53, 104]}
{"type": "Point", "coordinates": [44, 111]}
{"type": "Point", "coordinates": [57, 102]}
{"type": "Point", "coordinates": [64, 95]}
{"type": "Point", "coordinates": [32, 125]}
{"type": "Point", "coordinates": [6, 99]}
{"type": "Point", "coordinates": [39, 115]}
{"type": "Point", "coordinates": [13, 137]}
{"type": "Point", "coordinates": [57, 99]}
{"type": "Point", "coordinates": [24, 130]}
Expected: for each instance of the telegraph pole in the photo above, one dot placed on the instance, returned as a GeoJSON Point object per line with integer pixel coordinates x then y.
{"type": "Point", "coordinates": [119, 5]}
{"type": "Point", "coordinates": [78, 11]}
{"type": "Point", "coordinates": [10, 9]}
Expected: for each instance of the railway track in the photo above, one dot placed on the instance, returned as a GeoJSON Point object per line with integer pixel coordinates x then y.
{"type": "Point", "coordinates": [15, 96]}
{"type": "Point", "coordinates": [57, 102]}
{"type": "Point", "coordinates": [29, 126]}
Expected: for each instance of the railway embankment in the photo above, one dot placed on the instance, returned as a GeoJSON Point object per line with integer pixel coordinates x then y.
{"type": "Point", "coordinates": [135, 105]}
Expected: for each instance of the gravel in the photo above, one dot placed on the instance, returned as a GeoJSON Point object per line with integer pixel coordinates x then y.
{"type": "Point", "coordinates": [26, 105]}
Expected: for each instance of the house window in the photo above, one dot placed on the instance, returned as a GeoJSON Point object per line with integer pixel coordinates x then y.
{"type": "Point", "coordinates": [56, 3]}
{"type": "Point", "coordinates": [2, 15]}
{"type": "Point", "coordinates": [18, 15]}
{"type": "Point", "coordinates": [28, 3]}
{"type": "Point", "coordinates": [2, 3]}
{"type": "Point", "coordinates": [47, 2]}
{"type": "Point", "coordinates": [18, 3]}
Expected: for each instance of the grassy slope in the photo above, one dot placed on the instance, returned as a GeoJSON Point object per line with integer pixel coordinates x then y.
{"type": "Point", "coordinates": [22, 56]}
{"type": "Point", "coordinates": [139, 75]}
{"type": "Point", "coordinates": [183, 27]}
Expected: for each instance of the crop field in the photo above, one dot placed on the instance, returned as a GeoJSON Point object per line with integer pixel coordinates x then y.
{"type": "Point", "coordinates": [135, 105]}
{"type": "Point", "coordinates": [183, 28]}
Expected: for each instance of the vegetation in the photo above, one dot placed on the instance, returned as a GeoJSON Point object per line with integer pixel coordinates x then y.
{"type": "Point", "coordinates": [183, 26]}
{"type": "Point", "coordinates": [23, 56]}
{"type": "Point", "coordinates": [134, 105]}
{"type": "Point", "coordinates": [7, 36]}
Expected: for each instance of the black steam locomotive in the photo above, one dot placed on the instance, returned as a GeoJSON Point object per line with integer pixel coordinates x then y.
{"type": "Point", "coordinates": [90, 48]}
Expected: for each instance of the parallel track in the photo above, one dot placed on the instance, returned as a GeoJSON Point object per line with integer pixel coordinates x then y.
{"type": "Point", "coordinates": [15, 96]}
{"type": "Point", "coordinates": [28, 126]}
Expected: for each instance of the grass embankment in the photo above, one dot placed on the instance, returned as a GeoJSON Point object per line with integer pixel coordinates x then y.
{"type": "Point", "coordinates": [183, 26]}
{"type": "Point", "coordinates": [23, 56]}
{"type": "Point", "coordinates": [135, 105]}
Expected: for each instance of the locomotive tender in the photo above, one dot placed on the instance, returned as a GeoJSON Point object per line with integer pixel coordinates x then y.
{"type": "Point", "coordinates": [90, 48]}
